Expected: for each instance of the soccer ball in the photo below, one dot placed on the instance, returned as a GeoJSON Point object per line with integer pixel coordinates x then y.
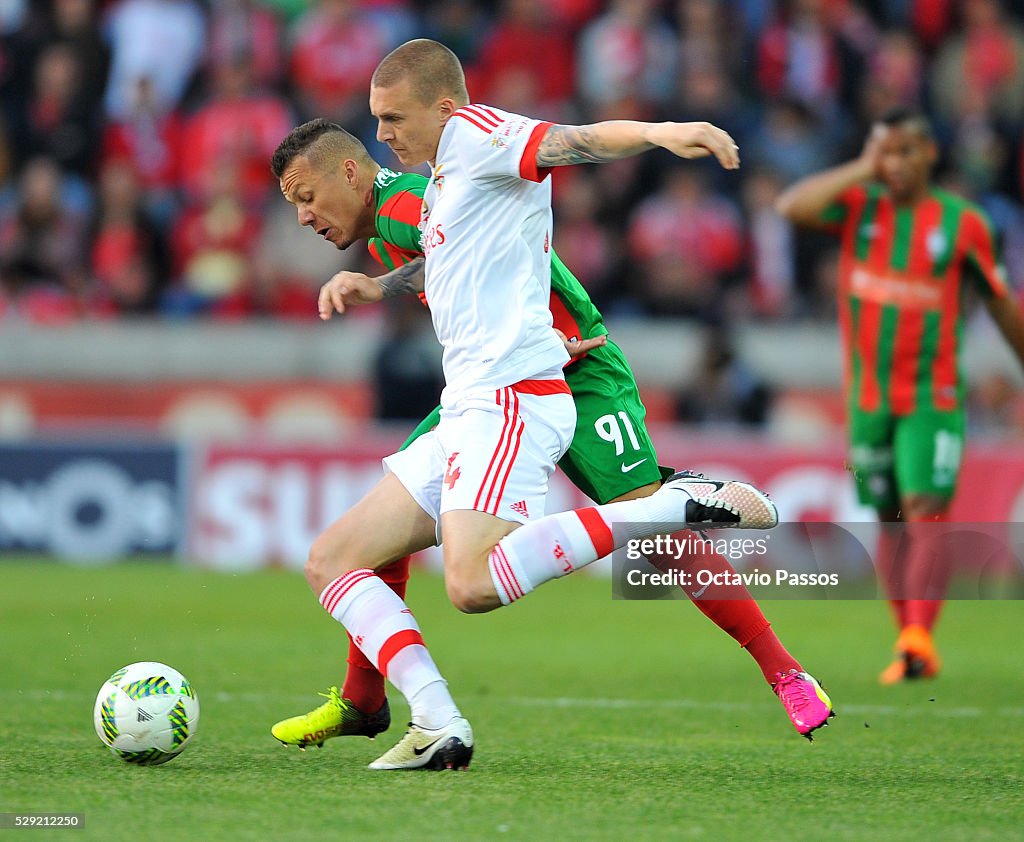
{"type": "Point", "coordinates": [146, 713]}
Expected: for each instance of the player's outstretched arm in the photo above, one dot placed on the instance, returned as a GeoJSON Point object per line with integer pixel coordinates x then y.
{"type": "Point", "coordinates": [613, 139]}
{"type": "Point", "coordinates": [804, 203]}
{"type": "Point", "coordinates": [1007, 315]}
{"type": "Point", "coordinates": [351, 289]}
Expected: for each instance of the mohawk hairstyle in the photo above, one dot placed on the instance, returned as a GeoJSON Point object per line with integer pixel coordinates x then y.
{"type": "Point", "coordinates": [912, 117]}
{"type": "Point", "coordinates": [432, 69]}
{"type": "Point", "coordinates": [324, 143]}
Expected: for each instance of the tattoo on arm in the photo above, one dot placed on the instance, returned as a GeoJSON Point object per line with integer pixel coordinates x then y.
{"type": "Point", "coordinates": [404, 280]}
{"type": "Point", "coordinates": [563, 145]}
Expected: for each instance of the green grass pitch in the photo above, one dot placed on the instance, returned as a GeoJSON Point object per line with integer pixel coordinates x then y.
{"type": "Point", "coordinates": [594, 718]}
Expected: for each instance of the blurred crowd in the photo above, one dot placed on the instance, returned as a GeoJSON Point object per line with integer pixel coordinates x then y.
{"type": "Point", "coordinates": [135, 137]}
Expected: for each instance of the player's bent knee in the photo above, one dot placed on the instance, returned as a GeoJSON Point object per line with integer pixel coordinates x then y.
{"type": "Point", "coordinates": [316, 568]}
{"type": "Point", "coordinates": [470, 599]}
{"type": "Point", "coordinates": [324, 564]}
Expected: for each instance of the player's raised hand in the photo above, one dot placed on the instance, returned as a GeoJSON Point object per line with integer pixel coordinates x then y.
{"type": "Point", "coordinates": [871, 154]}
{"type": "Point", "coordinates": [696, 140]}
{"type": "Point", "coordinates": [347, 289]}
{"type": "Point", "coordinates": [575, 347]}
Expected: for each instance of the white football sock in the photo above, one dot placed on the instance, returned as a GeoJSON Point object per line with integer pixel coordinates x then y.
{"type": "Point", "coordinates": [384, 628]}
{"type": "Point", "coordinates": [558, 544]}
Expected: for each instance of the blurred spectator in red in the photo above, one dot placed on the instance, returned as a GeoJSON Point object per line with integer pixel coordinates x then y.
{"type": "Point", "coordinates": [162, 40]}
{"type": "Point", "coordinates": [129, 257]}
{"type": "Point", "coordinates": [573, 14]}
{"type": "Point", "coordinates": [213, 247]}
{"type": "Point", "coordinates": [335, 49]}
{"type": "Point", "coordinates": [770, 291]}
{"type": "Point", "coordinates": [986, 59]}
{"type": "Point", "coordinates": [41, 248]}
{"type": "Point", "coordinates": [627, 53]}
{"type": "Point", "coordinates": [238, 127]}
{"type": "Point", "coordinates": [76, 24]}
{"type": "Point", "coordinates": [246, 27]}
{"type": "Point", "coordinates": [931, 20]}
{"type": "Point", "coordinates": [798, 57]}
{"type": "Point", "coordinates": [532, 50]}
{"type": "Point", "coordinates": [150, 139]}
{"type": "Point", "coordinates": [59, 121]}
{"type": "Point", "coordinates": [687, 242]}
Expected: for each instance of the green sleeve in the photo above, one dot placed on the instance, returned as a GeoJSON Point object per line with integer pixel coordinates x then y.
{"type": "Point", "coordinates": [399, 204]}
{"type": "Point", "coordinates": [981, 257]}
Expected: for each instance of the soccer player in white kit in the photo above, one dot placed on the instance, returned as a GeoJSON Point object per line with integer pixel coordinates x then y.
{"type": "Point", "coordinates": [479, 480]}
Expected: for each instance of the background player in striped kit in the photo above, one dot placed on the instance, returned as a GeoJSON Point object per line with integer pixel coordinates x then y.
{"type": "Point", "coordinates": [908, 253]}
{"type": "Point", "coordinates": [611, 458]}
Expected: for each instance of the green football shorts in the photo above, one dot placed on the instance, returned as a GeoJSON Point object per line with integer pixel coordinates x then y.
{"type": "Point", "coordinates": [896, 456]}
{"type": "Point", "coordinates": [611, 452]}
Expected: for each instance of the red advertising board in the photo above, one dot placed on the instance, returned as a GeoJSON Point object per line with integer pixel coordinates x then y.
{"type": "Point", "coordinates": [251, 506]}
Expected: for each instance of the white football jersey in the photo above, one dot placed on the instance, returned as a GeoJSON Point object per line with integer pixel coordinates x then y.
{"type": "Point", "coordinates": [486, 231]}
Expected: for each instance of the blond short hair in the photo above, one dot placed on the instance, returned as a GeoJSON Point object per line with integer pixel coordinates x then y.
{"type": "Point", "coordinates": [432, 69]}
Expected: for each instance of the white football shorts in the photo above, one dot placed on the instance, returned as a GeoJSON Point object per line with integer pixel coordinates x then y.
{"type": "Point", "coordinates": [491, 452]}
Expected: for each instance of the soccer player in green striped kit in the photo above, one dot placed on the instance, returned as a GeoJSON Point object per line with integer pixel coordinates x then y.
{"type": "Point", "coordinates": [908, 253]}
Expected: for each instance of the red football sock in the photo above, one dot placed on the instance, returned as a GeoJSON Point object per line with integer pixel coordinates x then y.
{"type": "Point", "coordinates": [364, 685]}
{"type": "Point", "coordinates": [928, 572]}
{"type": "Point", "coordinates": [730, 607]}
{"type": "Point", "coordinates": [771, 656]}
{"type": "Point", "coordinates": [890, 565]}
{"type": "Point", "coordinates": [930, 610]}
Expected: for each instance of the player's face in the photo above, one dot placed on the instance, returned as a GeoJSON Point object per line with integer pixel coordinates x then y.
{"type": "Point", "coordinates": [405, 124]}
{"type": "Point", "coordinates": [332, 203]}
{"type": "Point", "coordinates": [906, 158]}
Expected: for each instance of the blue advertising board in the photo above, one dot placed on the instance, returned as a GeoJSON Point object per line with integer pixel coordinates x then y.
{"type": "Point", "coordinates": [90, 501]}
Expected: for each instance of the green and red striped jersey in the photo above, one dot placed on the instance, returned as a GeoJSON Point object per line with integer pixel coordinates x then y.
{"type": "Point", "coordinates": [902, 275]}
{"type": "Point", "coordinates": [399, 199]}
